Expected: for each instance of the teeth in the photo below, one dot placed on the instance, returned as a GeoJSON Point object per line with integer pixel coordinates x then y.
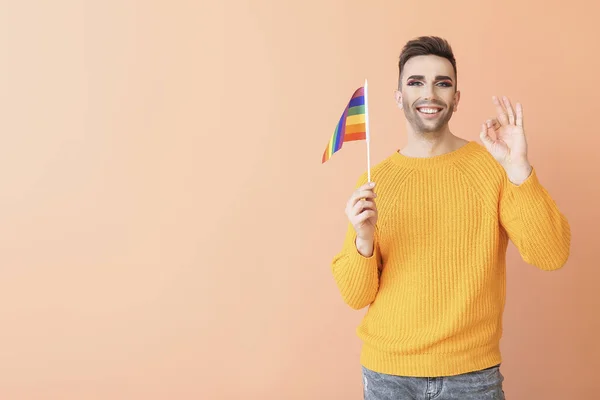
{"type": "Point", "coordinates": [429, 110]}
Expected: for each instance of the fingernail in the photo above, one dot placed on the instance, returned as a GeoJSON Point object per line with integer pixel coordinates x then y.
{"type": "Point", "coordinates": [372, 184]}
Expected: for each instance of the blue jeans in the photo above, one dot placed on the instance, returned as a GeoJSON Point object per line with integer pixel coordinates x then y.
{"type": "Point", "coordinates": [479, 385]}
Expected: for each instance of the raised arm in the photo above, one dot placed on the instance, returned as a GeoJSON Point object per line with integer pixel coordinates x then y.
{"type": "Point", "coordinates": [529, 215]}
{"type": "Point", "coordinates": [535, 225]}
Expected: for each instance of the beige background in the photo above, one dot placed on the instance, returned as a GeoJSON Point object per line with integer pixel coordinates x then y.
{"type": "Point", "coordinates": [167, 225]}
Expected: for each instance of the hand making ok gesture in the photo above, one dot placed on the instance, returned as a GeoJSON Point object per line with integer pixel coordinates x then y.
{"type": "Point", "coordinates": [504, 138]}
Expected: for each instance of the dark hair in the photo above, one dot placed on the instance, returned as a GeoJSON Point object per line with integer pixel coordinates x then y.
{"type": "Point", "coordinates": [423, 46]}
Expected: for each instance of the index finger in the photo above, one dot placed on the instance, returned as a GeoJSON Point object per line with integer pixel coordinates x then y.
{"type": "Point", "coordinates": [361, 194]}
{"type": "Point", "coordinates": [368, 185]}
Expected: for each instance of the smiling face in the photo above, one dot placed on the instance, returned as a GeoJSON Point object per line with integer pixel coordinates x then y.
{"type": "Point", "coordinates": [428, 93]}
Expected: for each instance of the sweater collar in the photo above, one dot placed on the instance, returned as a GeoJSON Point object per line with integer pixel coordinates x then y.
{"type": "Point", "coordinates": [434, 161]}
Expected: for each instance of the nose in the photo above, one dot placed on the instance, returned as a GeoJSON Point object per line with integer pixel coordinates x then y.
{"type": "Point", "coordinates": [428, 92]}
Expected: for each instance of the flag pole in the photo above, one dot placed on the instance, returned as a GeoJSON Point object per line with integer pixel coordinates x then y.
{"type": "Point", "coordinates": [368, 133]}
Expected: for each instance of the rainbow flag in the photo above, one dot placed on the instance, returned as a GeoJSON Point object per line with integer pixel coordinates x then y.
{"type": "Point", "coordinates": [353, 125]}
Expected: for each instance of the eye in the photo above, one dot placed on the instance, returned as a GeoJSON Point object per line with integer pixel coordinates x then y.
{"type": "Point", "coordinates": [445, 84]}
{"type": "Point", "coordinates": [414, 83]}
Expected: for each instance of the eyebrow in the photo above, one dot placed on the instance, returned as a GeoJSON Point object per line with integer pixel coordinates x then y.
{"type": "Point", "coordinates": [437, 78]}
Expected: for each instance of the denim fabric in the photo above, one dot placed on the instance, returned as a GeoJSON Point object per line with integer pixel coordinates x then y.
{"type": "Point", "coordinates": [479, 385]}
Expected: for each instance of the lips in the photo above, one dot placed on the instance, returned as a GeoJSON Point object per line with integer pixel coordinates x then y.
{"type": "Point", "coordinates": [429, 111]}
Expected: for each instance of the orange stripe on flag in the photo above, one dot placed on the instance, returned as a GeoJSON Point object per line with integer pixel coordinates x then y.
{"type": "Point", "coordinates": [356, 128]}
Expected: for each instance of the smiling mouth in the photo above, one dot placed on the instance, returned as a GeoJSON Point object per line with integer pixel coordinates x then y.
{"type": "Point", "coordinates": [429, 110]}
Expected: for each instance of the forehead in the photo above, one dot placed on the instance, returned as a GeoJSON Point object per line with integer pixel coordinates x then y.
{"type": "Point", "coordinates": [429, 66]}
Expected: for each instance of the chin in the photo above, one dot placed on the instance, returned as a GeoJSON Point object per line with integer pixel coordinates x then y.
{"type": "Point", "coordinates": [433, 126]}
{"type": "Point", "coordinates": [429, 128]}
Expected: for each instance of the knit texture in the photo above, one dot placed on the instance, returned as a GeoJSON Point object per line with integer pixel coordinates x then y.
{"type": "Point", "coordinates": [436, 282]}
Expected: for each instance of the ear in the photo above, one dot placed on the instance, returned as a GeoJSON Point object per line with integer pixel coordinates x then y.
{"type": "Point", "coordinates": [456, 100]}
{"type": "Point", "coordinates": [398, 96]}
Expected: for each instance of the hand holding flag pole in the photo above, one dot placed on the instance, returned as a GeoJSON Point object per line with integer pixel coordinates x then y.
{"type": "Point", "coordinates": [353, 125]}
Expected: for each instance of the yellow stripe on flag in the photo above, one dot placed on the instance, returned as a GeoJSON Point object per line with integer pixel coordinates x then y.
{"type": "Point", "coordinates": [355, 119]}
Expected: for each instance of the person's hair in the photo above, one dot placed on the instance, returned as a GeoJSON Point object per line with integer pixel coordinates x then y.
{"type": "Point", "coordinates": [423, 46]}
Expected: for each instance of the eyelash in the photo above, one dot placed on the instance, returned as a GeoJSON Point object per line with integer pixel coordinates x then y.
{"type": "Point", "coordinates": [445, 84]}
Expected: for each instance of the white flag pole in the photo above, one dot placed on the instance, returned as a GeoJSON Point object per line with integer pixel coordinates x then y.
{"type": "Point", "coordinates": [368, 133]}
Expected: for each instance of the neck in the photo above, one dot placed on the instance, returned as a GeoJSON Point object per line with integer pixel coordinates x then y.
{"type": "Point", "coordinates": [431, 144]}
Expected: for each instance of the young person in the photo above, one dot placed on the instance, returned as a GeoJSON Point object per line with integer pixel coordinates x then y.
{"type": "Point", "coordinates": [426, 243]}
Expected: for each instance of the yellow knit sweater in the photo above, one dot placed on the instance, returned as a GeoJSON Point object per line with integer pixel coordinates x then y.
{"type": "Point", "coordinates": [435, 285]}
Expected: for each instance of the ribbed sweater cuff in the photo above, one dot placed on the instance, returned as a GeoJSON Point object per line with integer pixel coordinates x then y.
{"type": "Point", "coordinates": [360, 262]}
{"type": "Point", "coordinates": [360, 267]}
{"type": "Point", "coordinates": [529, 193]}
{"type": "Point", "coordinates": [357, 275]}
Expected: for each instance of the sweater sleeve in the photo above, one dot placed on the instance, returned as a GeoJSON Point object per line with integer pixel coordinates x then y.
{"type": "Point", "coordinates": [534, 224]}
{"type": "Point", "coordinates": [357, 276]}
